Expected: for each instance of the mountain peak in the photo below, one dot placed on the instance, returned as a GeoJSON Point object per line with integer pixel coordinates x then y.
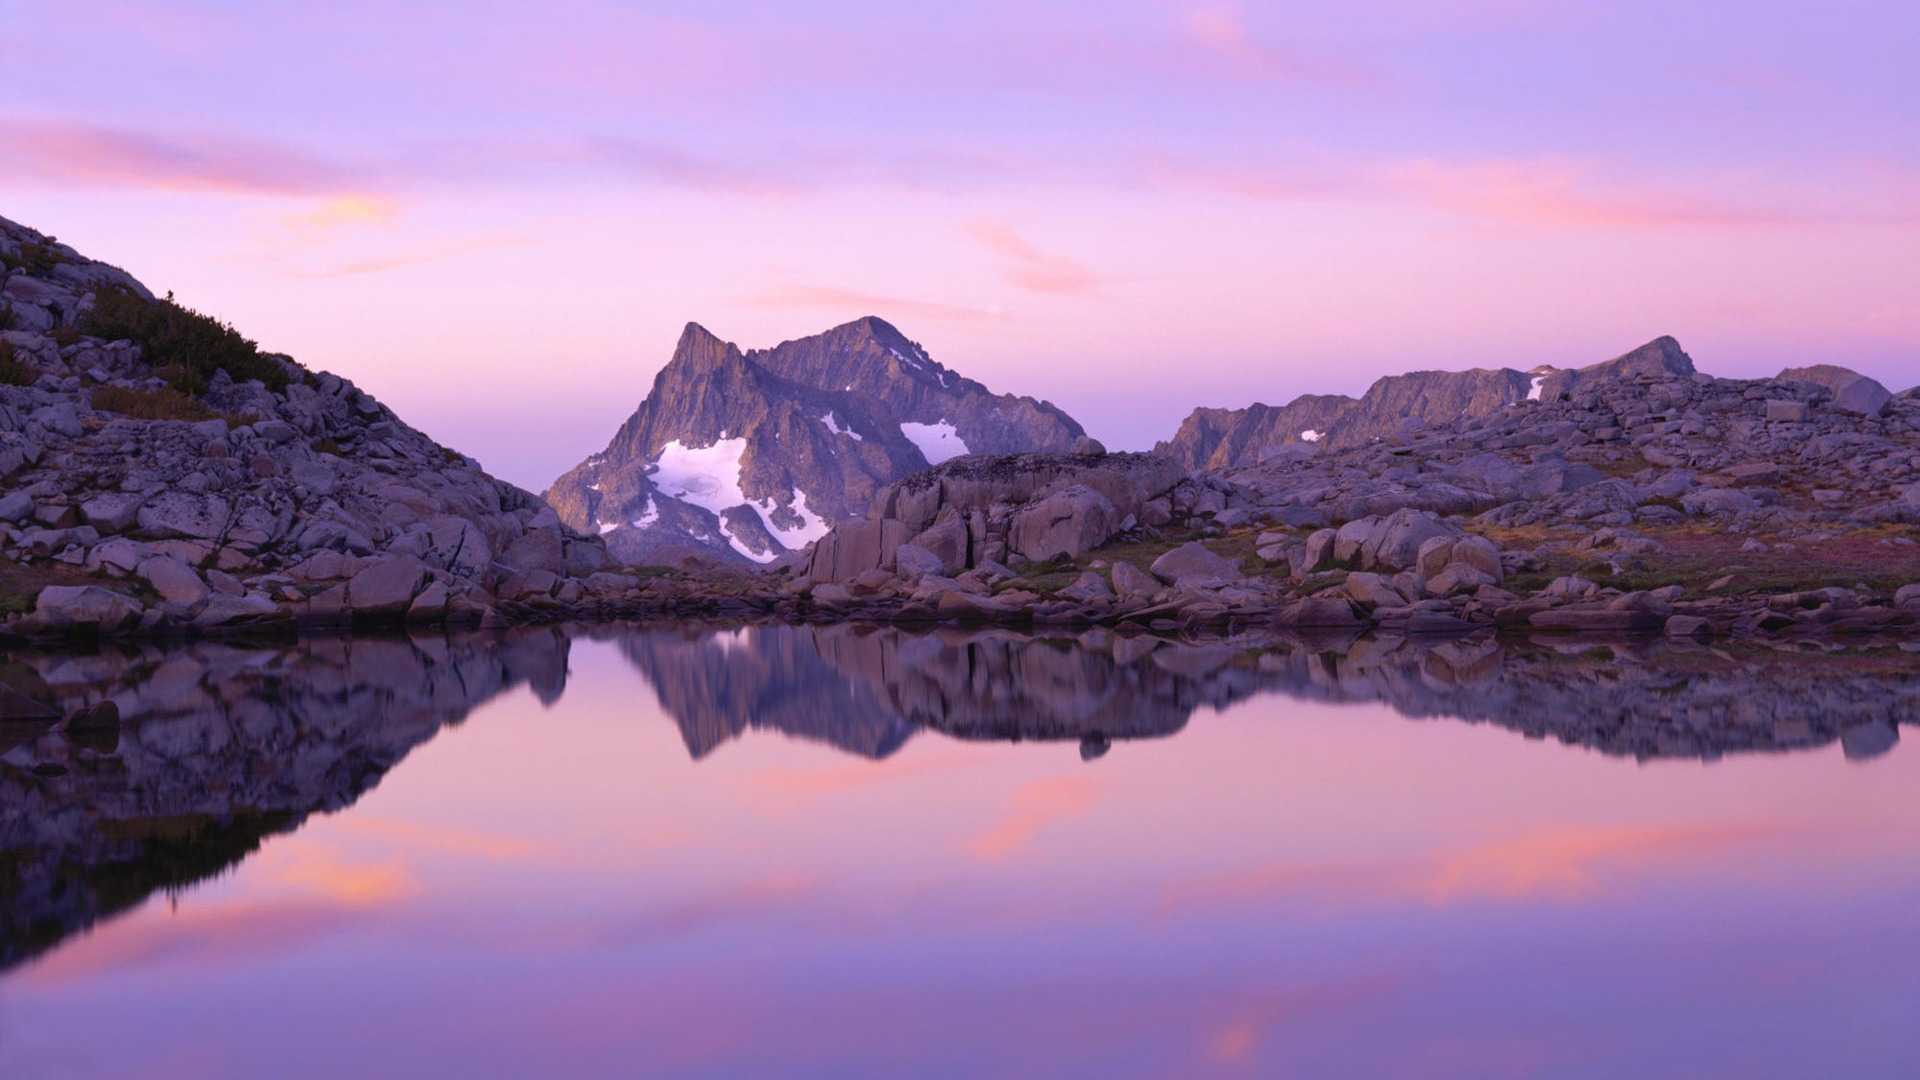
{"type": "Point", "coordinates": [751, 455]}
{"type": "Point", "coordinates": [700, 347]}
{"type": "Point", "coordinates": [1661, 356]}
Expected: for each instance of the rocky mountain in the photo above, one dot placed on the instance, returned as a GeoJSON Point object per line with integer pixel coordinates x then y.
{"type": "Point", "coordinates": [161, 471]}
{"type": "Point", "coordinates": [748, 456]}
{"type": "Point", "coordinates": [1219, 439]}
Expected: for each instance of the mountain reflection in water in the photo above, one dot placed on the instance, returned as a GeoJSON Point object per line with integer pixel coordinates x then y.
{"type": "Point", "coordinates": [223, 745]}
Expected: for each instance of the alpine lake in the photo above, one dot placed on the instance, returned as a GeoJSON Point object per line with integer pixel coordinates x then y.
{"type": "Point", "coordinates": [710, 850]}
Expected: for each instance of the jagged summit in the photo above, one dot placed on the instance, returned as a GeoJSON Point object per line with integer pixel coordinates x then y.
{"type": "Point", "coordinates": [750, 455]}
{"type": "Point", "coordinates": [1218, 439]}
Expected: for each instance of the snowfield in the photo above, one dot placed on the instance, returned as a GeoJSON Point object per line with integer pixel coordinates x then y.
{"type": "Point", "coordinates": [709, 477]}
{"type": "Point", "coordinates": [937, 441]}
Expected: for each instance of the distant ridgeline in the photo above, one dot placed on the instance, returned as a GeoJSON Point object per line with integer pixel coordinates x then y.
{"type": "Point", "coordinates": [750, 456]}
{"type": "Point", "coordinates": [1221, 439]}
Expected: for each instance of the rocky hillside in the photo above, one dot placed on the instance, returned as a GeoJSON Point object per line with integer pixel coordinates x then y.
{"type": "Point", "coordinates": [1220, 439]}
{"type": "Point", "coordinates": [161, 471]}
{"type": "Point", "coordinates": [749, 456]}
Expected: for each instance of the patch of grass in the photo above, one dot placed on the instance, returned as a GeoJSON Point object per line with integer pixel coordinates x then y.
{"type": "Point", "coordinates": [1697, 555]}
{"type": "Point", "coordinates": [64, 336]}
{"type": "Point", "coordinates": [20, 584]}
{"type": "Point", "coordinates": [329, 445]}
{"type": "Point", "coordinates": [181, 345]}
{"type": "Point", "coordinates": [165, 403]}
{"type": "Point", "coordinates": [1052, 577]}
{"type": "Point", "coordinates": [6, 317]}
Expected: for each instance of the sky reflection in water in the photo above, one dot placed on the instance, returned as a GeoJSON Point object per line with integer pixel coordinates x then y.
{"type": "Point", "coordinates": [1287, 887]}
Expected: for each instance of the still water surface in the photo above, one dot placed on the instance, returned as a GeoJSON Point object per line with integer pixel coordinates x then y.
{"type": "Point", "coordinates": [733, 852]}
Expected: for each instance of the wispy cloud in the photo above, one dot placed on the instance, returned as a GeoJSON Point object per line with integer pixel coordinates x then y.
{"type": "Point", "coordinates": [1031, 809]}
{"type": "Point", "coordinates": [1032, 269]}
{"type": "Point", "coordinates": [71, 152]}
{"type": "Point", "coordinates": [337, 212]}
{"type": "Point", "coordinates": [1568, 864]}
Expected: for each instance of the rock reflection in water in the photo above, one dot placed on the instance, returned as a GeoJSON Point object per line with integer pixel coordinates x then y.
{"type": "Point", "coordinates": [220, 747]}
{"type": "Point", "coordinates": [867, 689]}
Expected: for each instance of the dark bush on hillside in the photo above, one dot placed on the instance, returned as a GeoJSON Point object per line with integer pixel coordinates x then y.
{"type": "Point", "coordinates": [181, 345]}
{"type": "Point", "coordinates": [12, 371]}
{"type": "Point", "coordinates": [165, 403]}
{"type": "Point", "coordinates": [37, 260]}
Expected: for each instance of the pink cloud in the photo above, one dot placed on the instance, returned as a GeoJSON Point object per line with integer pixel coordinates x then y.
{"type": "Point", "coordinates": [66, 152]}
{"type": "Point", "coordinates": [199, 937]}
{"type": "Point", "coordinates": [1568, 864]}
{"type": "Point", "coordinates": [1231, 49]}
{"type": "Point", "coordinates": [1034, 807]}
{"type": "Point", "coordinates": [1237, 1040]}
{"type": "Point", "coordinates": [1555, 192]}
{"type": "Point", "coordinates": [1032, 269]}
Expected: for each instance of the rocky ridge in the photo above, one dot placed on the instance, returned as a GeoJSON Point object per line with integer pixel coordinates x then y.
{"type": "Point", "coordinates": [750, 456]}
{"type": "Point", "coordinates": [132, 504]}
{"type": "Point", "coordinates": [1222, 439]}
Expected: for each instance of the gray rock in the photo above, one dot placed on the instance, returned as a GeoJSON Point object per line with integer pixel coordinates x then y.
{"type": "Point", "coordinates": [185, 514]}
{"type": "Point", "coordinates": [1133, 583]}
{"type": "Point", "coordinates": [1373, 591]}
{"type": "Point", "coordinates": [225, 610]}
{"type": "Point", "coordinates": [1786, 412]}
{"type": "Point", "coordinates": [1088, 588]}
{"type": "Point", "coordinates": [911, 561]}
{"type": "Point", "coordinates": [948, 541]}
{"type": "Point", "coordinates": [86, 607]}
{"type": "Point", "coordinates": [1688, 626]}
{"type": "Point", "coordinates": [1719, 502]}
{"type": "Point", "coordinates": [173, 580]}
{"type": "Point", "coordinates": [386, 588]}
{"type": "Point", "coordinates": [1395, 541]}
{"type": "Point", "coordinates": [16, 506]}
{"type": "Point", "coordinates": [1459, 577]}
{"type": "Point", "coordinates": [1191, 562]}
{"type": "Point", "coordinates": [1070, 522]}
{"type": "Point", "coordinates": [113, 511]}
{"type": "Point", "coordinates": [1862, 397]}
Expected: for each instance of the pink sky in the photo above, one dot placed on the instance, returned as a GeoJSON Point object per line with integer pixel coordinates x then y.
{"type": "Point", "coordinates": [497, 216]}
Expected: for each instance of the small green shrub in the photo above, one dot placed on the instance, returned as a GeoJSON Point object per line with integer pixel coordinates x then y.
{"type": "Point", "coordinates": [165, 403]}
{"type": "Point", "coordinates": [181, 345]}
{"type": "Point", "coordinates": [36, 259]}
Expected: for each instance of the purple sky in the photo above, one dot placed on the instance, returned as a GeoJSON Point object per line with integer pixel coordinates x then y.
{"type": "Point", "coordinates": [497, 216]}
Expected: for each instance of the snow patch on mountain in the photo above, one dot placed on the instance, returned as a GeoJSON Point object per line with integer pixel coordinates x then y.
{"type": "Point", "coordinates": [937, 441]}
{"type": "Point", "coordinates": [833, 425]}
{"type": "Point", "coordinates": [703, 476]}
